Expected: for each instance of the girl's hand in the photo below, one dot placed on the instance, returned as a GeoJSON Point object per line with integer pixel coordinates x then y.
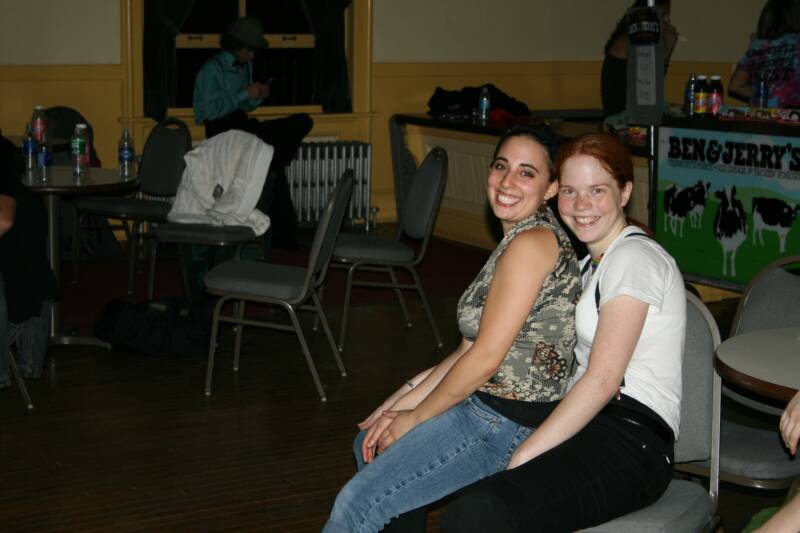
{"type": "Point", "coordinates": [370, 443]}
{"type": "Point", "coordinates": [402, 423]}
{"type": "Point", "coordinates": [790, 424]}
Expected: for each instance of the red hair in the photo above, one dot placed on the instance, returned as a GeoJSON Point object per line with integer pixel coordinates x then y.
{"type": "Point", "coordinates": [612, 155]}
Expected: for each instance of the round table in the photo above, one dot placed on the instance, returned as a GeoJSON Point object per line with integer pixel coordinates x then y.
{"type": "Point", "coordinates": [52, 184]}
{"type": "Point", "coordinates": [766, 362]}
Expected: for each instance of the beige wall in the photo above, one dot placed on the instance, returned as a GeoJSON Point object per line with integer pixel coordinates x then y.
{"type": "Point", "coordinates": [60, 32]}
{"type": "Point", "coordinates": [446, 31]}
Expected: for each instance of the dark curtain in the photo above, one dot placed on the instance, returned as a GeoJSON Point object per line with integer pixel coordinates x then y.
{"type": "Point", "coordinates": [162, 22]}
{"type": "Point", "coordinates": [332, 87]}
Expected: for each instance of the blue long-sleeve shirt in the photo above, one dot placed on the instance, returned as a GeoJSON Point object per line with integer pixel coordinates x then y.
{"type": "Point", "coordinates": [221, 87]}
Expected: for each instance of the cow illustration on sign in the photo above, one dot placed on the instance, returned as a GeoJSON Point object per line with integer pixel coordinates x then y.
{"type": "Point", "coordinates": [680, 203]}
{"type": "Point", "coordinates": [772, 214]}
{"type": "Point", "coordinates": [730, 227]}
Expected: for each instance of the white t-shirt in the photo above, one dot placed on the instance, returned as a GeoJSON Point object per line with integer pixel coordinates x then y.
{"type": "Point", "coordinates": [639, 267]}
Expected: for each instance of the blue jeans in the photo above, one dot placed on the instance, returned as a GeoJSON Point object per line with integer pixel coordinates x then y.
{"type": "Point", "coordinates": [462, 445]}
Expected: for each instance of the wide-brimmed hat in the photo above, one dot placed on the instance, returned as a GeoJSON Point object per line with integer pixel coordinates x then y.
{"type": "Point", "coordinates": [249, 31]}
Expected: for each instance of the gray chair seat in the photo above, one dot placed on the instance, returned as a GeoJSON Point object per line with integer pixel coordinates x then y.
{"type": "Point", "coordinates": [204, 234]}
{"type": "Point", "coordinates": [737, 443]}
{"type": "Point", "coordinates": [258, 279]}
{"type": "Point", "coordinates": [682, 507]}
{"type": "Point", "coordinates": [124, 207]}
{"type": "Point", "coordinates": [352, 247]}
{"type": "Point", "coordinates": [289, 287]}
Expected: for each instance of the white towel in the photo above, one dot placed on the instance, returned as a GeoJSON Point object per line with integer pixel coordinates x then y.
{"type": "Point", "coordinates": [235, 165]}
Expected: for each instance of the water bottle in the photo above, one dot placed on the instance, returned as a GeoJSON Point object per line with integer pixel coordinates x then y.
{"type": "Point", "coordinates": [127, 155]}
{"type": "Point", "coordinates": [78, 150]}
{"type": "Point", "coordinates": [29, 146]}
{"type": "Point", "coordinates": [39, 123]}
{"type": "Point", "coordinates": [688, 96]}
{"type": "Point", "coordinates": [44, 158]}
{"type": "Point", "coordinates": [484, 105]}
{"type": "Point", "coordinates": [761, 93]}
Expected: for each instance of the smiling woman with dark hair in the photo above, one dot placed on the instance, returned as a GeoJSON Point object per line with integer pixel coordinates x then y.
{"type": "Point", "coordinates": [462, 419]}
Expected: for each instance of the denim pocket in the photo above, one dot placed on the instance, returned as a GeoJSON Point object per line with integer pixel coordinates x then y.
{"type": "Point", "coordinates": [477, 408]}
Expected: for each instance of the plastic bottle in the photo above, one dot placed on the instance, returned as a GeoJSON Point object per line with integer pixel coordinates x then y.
{"type": "Point", "coordinates": [78, 150]}
{"type": "Point", "coordinates": [715, 97]}
{"type": "Point", "coordinates": [44, 157]}
{"type": "Point", "coordinates": [39, 123]}
{"type": "Point", "coordinates": [761, 92]}
{"type": "Point", "coordinates": [29, 146]}
{"type": "Point", "coordinates": [688, 97]}
{"type": "Point", "coordinates": [701, 97]}
{"type": "Point", "coordinates": [127, 155]}
{"type": "Point", "coordinates": [484, 105]}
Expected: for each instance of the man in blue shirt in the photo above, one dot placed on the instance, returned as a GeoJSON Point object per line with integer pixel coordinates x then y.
{"type": "Point", "coordinates": [224, 91]}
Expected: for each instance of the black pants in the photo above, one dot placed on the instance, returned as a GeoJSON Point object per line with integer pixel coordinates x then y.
{"type": "Point", "coordinates": [285, 136]}
{"type": "Point", "coordinates": [608, 469]}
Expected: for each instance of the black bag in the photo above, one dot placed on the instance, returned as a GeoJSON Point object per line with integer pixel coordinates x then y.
{"type": "Point", "coordinates": [158, 327]}
{"type": "Point", "coordinates": [463, 101]}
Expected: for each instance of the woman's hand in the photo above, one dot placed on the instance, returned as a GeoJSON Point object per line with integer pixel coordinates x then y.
{"type": "Point", "coordinates": [402, 423]}
{"type": "Point", "coordinates": [370, 443]}
{"type": "Point", "coordinates": [790, 424]}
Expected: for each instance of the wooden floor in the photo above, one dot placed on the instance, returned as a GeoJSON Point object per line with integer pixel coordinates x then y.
{"type": "Point", "coordinates": [125, 442]}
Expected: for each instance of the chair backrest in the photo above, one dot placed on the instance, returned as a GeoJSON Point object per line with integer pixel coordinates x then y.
{"type": "Point", "coordinates": [162, 162]}
{"type": "Point", "coordinates": [421, 205]}
{"type": "Point", "coordinates": [61, 122]}
{"type": "Point", "coordinates": [328, 230]}
{"type": "Point", "coordinates": [698, 438]}
{"type": "Point", "coordinates": [769, 301]}
{"type": "Point", "coordinates": [404, 167]}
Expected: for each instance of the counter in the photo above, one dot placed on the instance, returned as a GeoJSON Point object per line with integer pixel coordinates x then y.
{"type": "Point", "coordinates": [464, 215]}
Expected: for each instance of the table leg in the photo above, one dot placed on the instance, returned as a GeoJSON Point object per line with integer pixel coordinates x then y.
{"type": "Point", "coordinates": [53, 204]}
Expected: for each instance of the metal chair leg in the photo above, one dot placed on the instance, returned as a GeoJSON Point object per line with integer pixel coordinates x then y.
{"type": "Point", "coordinates": [346, 305]}
{"type": "Point", "coordinates": [321, 293]}
{"type": "Point", "coordinates": [151, 282]}
{"type": "Point", "coordinates": [238, 310]}
{"type": "Point", "coordinates": [212, 345]}
{"type": "Point", "coordinates": [320, 315]}
{"type": "Point", "coordinates": [184, 273]}
{"type": "Point", "coordinates": [310, 362]}
{"type": "Point", "coordinates": [426, 305]}
{"type": "Point", "coordinates": [399, 293]}
{"type": "Point", "coordinates": [133, 240]}
{"type": "Point", "coordinates": [20, 382]}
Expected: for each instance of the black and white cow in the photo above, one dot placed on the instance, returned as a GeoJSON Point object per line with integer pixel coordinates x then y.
{"type": "Point", "coordinates": [677, 204]}
{"type": "Point", "coordinates": [699, 193]}
{"type": "Point", "coordinates": [772, 214]}
{"type": "Point", "coordinates": [730, 227]}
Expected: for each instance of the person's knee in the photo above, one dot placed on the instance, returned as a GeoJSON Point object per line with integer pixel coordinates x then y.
{"type": "Point", "coordinates": [303, 122]}
{"type": "Point", "coordinates": [357, 449]}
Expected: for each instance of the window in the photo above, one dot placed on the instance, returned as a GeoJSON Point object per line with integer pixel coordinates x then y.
{"type": "Point", "coordinates": [289, 60]}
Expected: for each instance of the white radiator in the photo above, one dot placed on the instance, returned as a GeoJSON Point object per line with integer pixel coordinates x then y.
{"type": "Point", "coordinates": [315, 171]}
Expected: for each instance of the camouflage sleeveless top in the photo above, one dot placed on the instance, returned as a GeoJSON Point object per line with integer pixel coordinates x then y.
{"type": "Point", "coordinates": [540, 361]}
